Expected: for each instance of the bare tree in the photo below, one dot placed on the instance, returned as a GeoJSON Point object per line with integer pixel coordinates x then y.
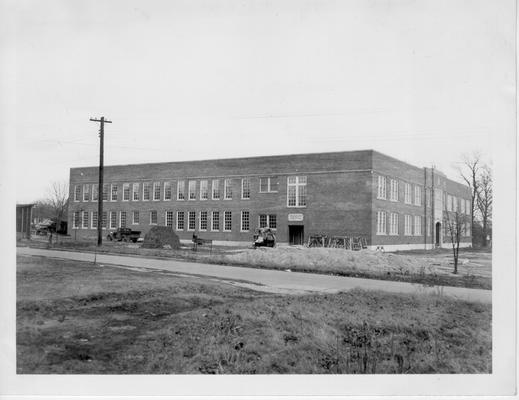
{"type": "Point", "coordinates": [469, 171]}
{"type": "Point", "coordinates": [456, 223]}
{"type": "Point", "coordinates": [484, 201]}
{"type": "Point", "coordinates": [57, 199]}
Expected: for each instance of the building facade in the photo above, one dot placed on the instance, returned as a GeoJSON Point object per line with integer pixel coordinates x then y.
{"type": "Point", "coordinates": [390, 203]}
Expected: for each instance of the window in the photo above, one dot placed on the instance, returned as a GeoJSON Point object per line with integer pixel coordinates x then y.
{"type": "Point", "coordinates": [181, 189]}
{"type": "Point", "coordinates": [417, 196]}
{"type": "Point", "coordinates": [407, 193]}
{"type": "Point", "coordinates": [408, 228]}
{"type": "Point", "coordinates": [113, 197]}
{"type": "Point", "coordinates": [227, 189]}
{"type": "Point", "coordinates": [268, 185]}
{"type": "Point", "coordinates": [75, 220]}
{"type": "Point", "coordinates": [203, 220]}
{"type": "Point", "coordinates": [156, 191]}
{"type": "Point", "coordinates": [215, 221]}
{"type": "Point", "coordinates": [146, 188]}
{"type": "Point", "coordinates": [136, 218]}
{"type": "Point", "coordinates": [449, 202]}
{"type": "Point", "coordinates": [126, 192]}
{"type": "Point", "coordinates": [227, 216]}
{"type": "Point", "coordinates": [393, 190]}
{"type": "Point", "coordinates": [296, 191]}
{"type": "Point", "coordinates": [268, 221]}
{"type": "Point", "coordinates": [86, 192]}
{"type": "Point", "coordinates": [169, 219]}
{"type": "Point", "coordinates": [94, 219]}
{"type": "Point", "coordinates": [103, 220]}
{"type": "Point", "coordinates": [191, 221]}
{"type": "Point", "coordinates": [135, 192]}
{"type": "Point", "coordinates": [153, 217]}
{"type": "Point", "coordinates": [167, 190]}
{"type": "Point", "coordinates": [113, 220]}
{"type": "Point", "coordinates": [85, 220]}
{"type": "Point", "coordinates": [417, 225]}
{"type": "Point", "coordinates": [180, 220]}
{"type": "Point", "coordinates": [95, 192]}
{"type": "Point", "coordinates": [77, 193]}
{"type": "Point", "coordinates": [204, 191]}
{"type": "Point", "coordinates": [245, 221]}
{"type": "Point", "coordinates": [381, 192]}
{"type": "Point", "coordinates": [393, 224]}
{"type": "Point", "coordinates": [216, 189]}
{"type": "Point", "coordinates": [192, 190]}
{"type": "Point", "coordinates": [381, 223]}
{"type": "Point", "coordinates": [106, 189]}
{"type": "Point", "coordinates": [122, 215]}
{"type": "Point", "coordinates": [245, 188]}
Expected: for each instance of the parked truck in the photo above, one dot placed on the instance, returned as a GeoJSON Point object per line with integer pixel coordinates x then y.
{"type": "Point", "coordinates": [124, 235]}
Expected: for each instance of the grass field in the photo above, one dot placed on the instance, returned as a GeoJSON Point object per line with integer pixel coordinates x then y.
{"type": "Point", "coordinates": [75, 317]}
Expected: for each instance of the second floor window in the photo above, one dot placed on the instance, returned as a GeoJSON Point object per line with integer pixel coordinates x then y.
{"type": "Point", "coordinates": [417, 196]}
{"type": "Point", "coordinates": [216, 189]}
{"type": "Point", "coordinates": [268, 185]}
{"type": "Point", "coordinates": [77, 193]}
{"type": "Point", "coordinates": [381, 192]}
{"type": "Point", "coordinates": [86, 192]}
{"type": "Point", "coordinates": [245, 188]}
{"type": "Point", "coordinates": [192, 190]}
{"type": "Point", "coordinates": [204, 191]}
{"type": "Point", "coordinates": [296, 191]}
{"type": "Point", "coordinates": [126, 192]}
{"type": "Point", "coordinates": [227, 189]}
{"type": "Point", "coordinates": [146, 189]}
{"type": "Point", "coordinates": [156, 191]}
{"type": "Point", "coordinates": [407, 193]}
{"type": "Point", "coordinates": [114, 195]}
{"type": "Point", "coordinates": [393, 190]}
{"type": "Point", "coordinates": [95, 191]}
{"type": "Point", "coordinates": [135, 192]}
{"type": "Point", "coordinates": [167, 190]}
{"type": "Point", "coordinates": [181, 190]}
{"type": "Point", "coordinates": [106, 189]}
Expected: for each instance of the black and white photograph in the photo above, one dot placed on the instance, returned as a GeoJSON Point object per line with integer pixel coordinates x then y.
{"type": "Point", "coordinates": [258, 198]}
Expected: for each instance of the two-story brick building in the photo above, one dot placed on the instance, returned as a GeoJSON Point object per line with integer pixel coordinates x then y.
{"type": "Point", "coordinates": [359, 193]}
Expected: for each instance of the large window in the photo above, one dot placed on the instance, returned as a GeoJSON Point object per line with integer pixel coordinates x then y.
{"type": "Point", "coordinates": [268, 221]}
{"type": "Point", "coordinates": [95, 191]}
{"type": "Point", "coordinates": [94, 219]}
{"type": "Point", "coordinates": [191, 220]}
{"type": "Point", "coordinates": [227, 188]}
{"type": "Point", "coordinates": [407, 193]}
{"type": "Point", "coordinates": [169, 219]}
{"type": "Point", "coordinates": [180, 220]}
{"type": "Point", "coordinates": [114, 192]}
{"type": "Point", "coordinates": [268, 184]}
{"type": "Point", "coordinates": [216, 189]}
{"type": "Point", "coordinates": [113, 220]}
{"type": "Point", "coordinates": [381, 191]}
{"type": "Point", "coordinates": [417, 225]}
{"type": "Point", "coordinates": [75, 219]}
{"type": "Point", "coordinates": [85, 220]}
{"type": "Point", "coordinates": [417, 196]}
{"type": "Point", "coordinates": [106, 189]}
{"type": "Point", "coordinates": [126, 192]}
{"type": "Point", "coordinates": [77, 193]}
{"type": "Point", "coordinates": [192, 190]}
{"type": "Point", "coordinates": [393, 224]}
{"type": "Point", "coordinates": [135, 192]}
{"type": "Point", "coordinates": [146, 189]}
{"type": "Point", "coordinates": [181, 190]}
{"type": "Point", "coordinates": [296, 191]}
{"type": "Point", "coordinates": [381, 223]}
{"type": "Point", "coordinates": [122, 219]}
{"type": "Point", "coordinates": [227, 221]}
{"type": "Point", "coordinates": [245, 221]}
{"type": "Point", "coordinates": [153, 217]}
{"type": "Point", "coordinates": [215, 221]}
{"type": "Point", "coordinates": [408, 225]}
{"type": "Point", "coordinates": [204, 191]}
{"type": "Point", "coordinates": [156, 191]}
{"type": "Point", "coordinates": [245, 188]}
{"type": "Point", "coordinates": [86, 192]}
{"type": "Point", "coordinates": [167, 190]}
{"type": "Point", "coordinates": [203, 220]}
{"type": "Point", "coordinates": [104, 220]}
{"type": "Point", "coordinates": [136, 218]}
{"type": "Point", "coordinates": [393, 190]}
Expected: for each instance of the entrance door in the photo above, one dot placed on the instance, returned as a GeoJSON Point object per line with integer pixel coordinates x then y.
{"type": "Point", "coordinates": [438, 228]}
{"type": "Point", "coordinates": [296, 234]}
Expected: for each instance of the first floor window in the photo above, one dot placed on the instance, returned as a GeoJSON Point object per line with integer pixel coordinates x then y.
{"type": "Point", "coordinates": [94, 219]}
{"type": "Point", "coordinates": [268, 221]}
{"type": "Point", "coordinates": [191, 220]}
{"type": "Point", "coordinates": [393, 224]}
{"type": "Point", "coordinates": [180, 220]}
{"type": "Point", "coordinates": [227, 221]}
{"type": "Point", "coordinates": [135, 218]}
{"type": "Point", "coordinates": [169, 219]}
{"type": "Point", "coordinates": [104, 219]}
{"type": "Point", "coordinates": [126, 191]}
{"type": "Point", "coordinates": [153, 217]}
{"type": "Point", "coordinates": [381, 223]}
{"type": "Point", "coordinates": [408, 225]}
{"type": "Point", "coordinates": [245, 221]}
{"type": "Point", "coordinates": [77, 193]}
{"type": "Point", "coordinates": [85, 219]}
{"type": "Point", "coordinates": [122, 219]}
{"type": "Point", "coordinates": [113, 220]}
{"type": "Point", "coordinates": [215, 221]}
{"type": "Point", "coordinates": [75, 220]}
{"type": "Point", "coordinates": [417, 225]}
{"type": "Point", "coordinates": [203, 220]}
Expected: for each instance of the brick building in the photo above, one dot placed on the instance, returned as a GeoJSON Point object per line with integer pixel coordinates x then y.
{"type": "Point", "coordinates": [360, 193]}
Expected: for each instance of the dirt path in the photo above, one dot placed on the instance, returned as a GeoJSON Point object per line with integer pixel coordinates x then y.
{"type": "Point", "coordinates": [267, 280]}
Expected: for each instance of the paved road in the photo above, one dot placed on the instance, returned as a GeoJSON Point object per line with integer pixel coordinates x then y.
{"type": "Point", "coordinates": [265, 280]}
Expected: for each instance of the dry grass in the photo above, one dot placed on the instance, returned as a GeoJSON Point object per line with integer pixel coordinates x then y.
{"type": "Point", "coordinates": [77, 318]}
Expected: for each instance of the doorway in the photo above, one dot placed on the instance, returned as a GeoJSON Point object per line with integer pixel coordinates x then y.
{"type": "Point", "coordinates": [437, 233]}
{"type": "Point", "coordinates": [296, 234]}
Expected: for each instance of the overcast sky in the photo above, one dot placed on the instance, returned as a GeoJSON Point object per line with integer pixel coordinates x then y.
{"type": "Point", "coordinates": [423, 81]}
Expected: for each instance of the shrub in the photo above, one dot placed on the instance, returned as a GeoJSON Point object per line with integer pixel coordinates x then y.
{"type": "Point", "coordinates": [160, 236]}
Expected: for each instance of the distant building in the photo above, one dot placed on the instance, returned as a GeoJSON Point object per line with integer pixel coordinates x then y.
{"type": "Point", "coordinates": [359, 193]}
{"type": "Point", "coordinates": [23, 220]}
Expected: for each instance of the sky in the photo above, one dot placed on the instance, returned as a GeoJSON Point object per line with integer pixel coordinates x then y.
{"type": "Point", "coordinates": [423, 81]}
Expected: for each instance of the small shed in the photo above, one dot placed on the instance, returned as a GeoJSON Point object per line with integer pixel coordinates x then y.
{"type": "Point", "coordinates": [23, 220]}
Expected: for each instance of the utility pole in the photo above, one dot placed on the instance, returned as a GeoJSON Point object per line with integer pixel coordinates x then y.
{"type": "Point", "coordinates": [102, 122]}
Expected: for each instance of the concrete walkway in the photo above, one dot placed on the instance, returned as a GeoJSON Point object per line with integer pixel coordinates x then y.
{"type": "Point", "coordinates": [266, 280]}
